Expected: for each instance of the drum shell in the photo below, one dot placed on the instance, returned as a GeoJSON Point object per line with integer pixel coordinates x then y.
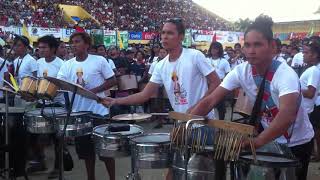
{"type": "Point", "coordinates": [37, 124]}
{"type": "Point", "coordinates": [247, 169]}
{"type": "Point", "coordinates": [79, 124]}
{"type": "Point", "coordinates": [46, 90]}
{"type": "Point", "coordinates": [40, 125]}
{"type": "Point", "coordinates": [127, 82]}
{"type": "Point", "coordinates": [121, 142]}
{"type": "Point", "coordinates": [29, 86]}
{"type": "Point", "coordinates": [200, 166]}
{"type": "Point", "coordinates": [161, 156]}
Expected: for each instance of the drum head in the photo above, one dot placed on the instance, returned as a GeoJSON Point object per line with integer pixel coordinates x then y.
{"type": "Point", "coordinates": [269, 160]}
{"type": "Point", "coordinates": [103, 130]}
{"type": "Point", "coordinates": [47, 111]}
{"type": "Point", "coordinates": [154, 138]}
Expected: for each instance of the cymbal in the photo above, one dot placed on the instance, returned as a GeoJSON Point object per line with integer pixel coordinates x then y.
{"type": "Point", "coordinates": [68, 86]}
{"type": "Point", "coordinates": [132, 117]}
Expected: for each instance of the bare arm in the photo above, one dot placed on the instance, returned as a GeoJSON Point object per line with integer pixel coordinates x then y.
{"type": "Point", "coordinates": [138, 98]}
{"type": "Point", "coordinates": [285, 117]}
{"type": "Point", "coordinates": [207, 104]}
{"type": "Point", "coordinates": [106, 85]}
{"type": "Point", "coordinates": [213, 82]}
{"type": "Point", "coordinates": [309, 93]}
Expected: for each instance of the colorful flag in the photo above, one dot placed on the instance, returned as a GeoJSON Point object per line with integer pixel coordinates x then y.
{"type": "Point", "coordinates": [119, 40]}
{"type": "Point", "coordinates": [25, 31]}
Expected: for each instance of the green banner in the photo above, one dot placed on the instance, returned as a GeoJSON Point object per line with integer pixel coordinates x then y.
{"type": "Point", "coordinates": [97, 36]}
{"type": "Point", "coordinates": [109, 40]}
{"type": "Point", "coordinates": [187, 38]}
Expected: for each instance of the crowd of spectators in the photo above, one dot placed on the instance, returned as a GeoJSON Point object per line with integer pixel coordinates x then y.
{"type": "Point", "coordinates": [133, 15]}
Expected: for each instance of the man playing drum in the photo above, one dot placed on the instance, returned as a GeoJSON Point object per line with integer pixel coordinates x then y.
{"type": "Point", "coordinates": [186, 74]}
{"type": "Point", "coordinates": [281, 117]}
{"type": "Point", "coordinates": [94, 73]}
{"type": "Point", "coordinates": [48, 65]}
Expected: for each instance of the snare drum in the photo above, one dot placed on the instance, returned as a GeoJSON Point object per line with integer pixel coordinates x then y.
{"type": "Point", "coordinates": [268, 166]}
{"type": "Point", "coordinates": [79, 124]}
{"type": "Point", "coordinates": [46, 89]}
{"type": "Point", "coordinates": [127, 82]}
{"type": "Point", "coordinates": [151, 151]}
{"type": "Point", "coordinates": [45, 123]}
{"type": "Point", "coordinates": [114, 144]}
{"type": "Point", "coordinates": [29, 86]}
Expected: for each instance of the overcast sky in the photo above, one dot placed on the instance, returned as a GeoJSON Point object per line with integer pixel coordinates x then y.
{"type": "Point", "coordinates": [279, 10]}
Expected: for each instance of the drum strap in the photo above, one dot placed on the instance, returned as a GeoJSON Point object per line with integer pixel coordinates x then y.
{"type": "Point", "coordinates": [255, 115]}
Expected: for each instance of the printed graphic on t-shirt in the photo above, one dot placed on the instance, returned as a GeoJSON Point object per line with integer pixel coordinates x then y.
{"type": "Point", "coordinates": [180, 94]}
{"type": "Point", "coordinates": [80, 79]}
{"type": "Point", "coordinates": [45, 73]}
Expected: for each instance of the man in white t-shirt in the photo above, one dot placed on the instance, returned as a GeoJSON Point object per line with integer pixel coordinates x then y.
{"type": "Point", "coordinates": [48, 65]}
{"type": "Point", "coordinates": [102, 51]}
{"type": "Point", "coordinates": [283, 117]}
{"type": "Point", "coordinates": [162, 54]}
{"type": "Point", "coordinates": [222, 67]}
{"type": "Point", "coordinates": [297, 60]}
{"type": "Point", "coordinates": [93, 73]}
{"type": "Point", "coordinates": [310, 85]}
{"type": "Point", "coordinates": [3, 69]}
{"type": "Point", "coordinates": [24, 64]}
{"type": "Point", "coordinates": [186, 74]}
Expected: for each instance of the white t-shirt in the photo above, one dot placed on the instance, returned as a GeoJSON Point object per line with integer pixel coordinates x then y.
{"type": "Point", "coordinates": [237, 62]}
{"type": "Point", "coordinates": [26, 66]}
{"type": "Point", "coordinates": [297, 60]}
{"type": "Point", "coordinates": [153, 65]}
{"type": "Point", "coordinates": [310, 77]}
{"type": "Point", "coordinates": [280, 85]}
{"type": "Point", "coordinates": [189, 73]}
{"type": "Point", "coordinates": [90, 74]}
{"type": "Point", "coordinates": [317, 102]}
{"type": "Point", "coordinates": [50, 69]}
{"type": "Point", "coordinates": [111, 63]}
{"type": "Point", "coordinates": [280, 58]}
{"type": "Point", "coordinates": [221, 65]}
{"type": "Point", "coordinates": [3, 70]}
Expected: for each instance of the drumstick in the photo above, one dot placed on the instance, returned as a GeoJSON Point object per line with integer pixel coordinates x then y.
{"type": "Point", "coordinates": [218, 144]}
{"type": "Point", "coordinates": [253, 149]}
{"type": "Point", "coordinates": [229, 145]}
{"type": "Point", "coordinates": [9, 84]}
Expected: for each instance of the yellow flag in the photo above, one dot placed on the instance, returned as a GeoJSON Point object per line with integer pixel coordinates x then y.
{"type": "Point", "coordinates": [120, 41]}
{"type": "Point", "coordinates": [25, 31]}
{"type": "Point", "coordinates": [14, 83]}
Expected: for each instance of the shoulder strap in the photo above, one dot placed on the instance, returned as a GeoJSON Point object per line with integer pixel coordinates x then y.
{"type": "Point", "coordinates": [255, 115]}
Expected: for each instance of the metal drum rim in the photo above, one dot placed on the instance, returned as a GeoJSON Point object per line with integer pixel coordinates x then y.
{"type": "Point", "coordinates": [116, 136]}
{"type": "Point", "coordinates": [149, 143]}
{"type": "Point", "coordinates": [293, 163]}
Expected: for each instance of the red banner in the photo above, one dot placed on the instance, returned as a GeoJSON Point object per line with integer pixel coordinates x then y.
{"type": "Point", "coordinates": [149, 35]}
